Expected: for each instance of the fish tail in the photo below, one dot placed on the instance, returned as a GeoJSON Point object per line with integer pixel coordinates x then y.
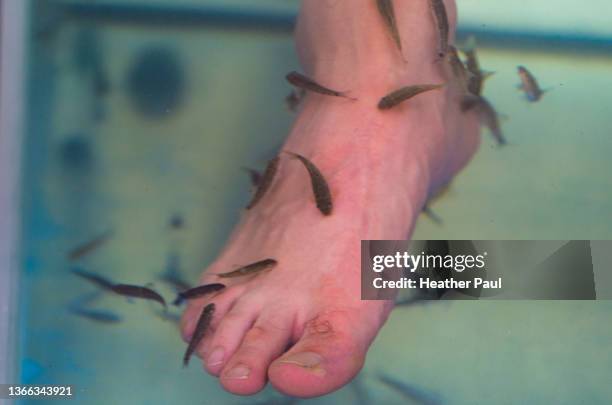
{"type": "Point", "coordinates": [345, 94]}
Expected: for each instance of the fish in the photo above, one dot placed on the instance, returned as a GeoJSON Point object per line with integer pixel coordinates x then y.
{"type": "Point", "coordinates": [486, 114]}
{"type": "Point", "coordinates": [97, 315]}
{"type": "Point", "coordinates": [79, 306]}
{"type": "Point", "coordinates": [265, 182]}
{"type": "Point", "coordinates": [88, 247]}
{"type": "Point", "coordinates": [396, 97]}
{"type": "Point", "coordinates": [254, 175]}
{"type": "Point", "coordinates": [294, 99]}
{"type": "Point", "coordinates": [99, 281]}
{"type": "Point", "coordinates": [250, 268]}
{"type": "Point", "coordinates": [176, 221]}
{"type": "Point", "coordinates": [411, 392]}
{"type": "Point", "coordinates": [529, 85]}
{"type": "Point", "coordinates": [385, 8]}
{"type": "Point", "coordinates": [441, 19]}
{"type": "Point", "coordinates": [198, 292]}
{"type": "Point", "coordinates": [172, 274]}
{"type": "Point", "coordinates": [477, 76]}
{"type": "Point", "coordinates": [199, 332]}
{"type": "Point", "coordinates": [305, 83]}
{"type": "Point", "coordinates": [320, 188]}
{"type": "Point", "coordinates": [459, 70]}
{"type": "Point", "coordinates": [136, 291]}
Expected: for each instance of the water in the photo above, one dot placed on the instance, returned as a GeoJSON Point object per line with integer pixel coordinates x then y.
{"type": "Point", "coordinates": [107, 151]}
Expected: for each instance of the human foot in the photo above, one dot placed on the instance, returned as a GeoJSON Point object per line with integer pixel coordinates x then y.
{"type": "Point", "coordinates": [302, 325]}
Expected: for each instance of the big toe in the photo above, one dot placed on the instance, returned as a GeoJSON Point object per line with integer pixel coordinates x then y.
{"type": "Point", "coordinates": [327, 356]}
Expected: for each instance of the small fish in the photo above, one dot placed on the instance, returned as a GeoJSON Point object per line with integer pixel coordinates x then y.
{"type": "Point", "coordinates": [477, 76]}
{"type": "Point", "coordinates": [254, 175]}
{"type": "Point", "coordinates": [460, 73]}
{"type": "Point", "coordinates": [529, 85]}
{"type": "Point", "coordinates": [394, 98]}
{"type": "Point", "coordinates": [265, 182]}
{"type": "Point", "coordinates": [294, 99]}
{"type": "Point", "coordinates": [79, 305]}
{"type": "Point", "coordinates": [176, 221]}
{"type": "Point", "coordinates": [198, 292]}
{"type": "Point", "coordinates": [88, 247]}
{"type": "Point", "coordinates": [250, 268]}
{"type": "Point", "coordinates": [486, 114]}
{"type": "Point", "coordinates": [439, 11]}
{"type": "Point", "coordinates": [172, 274]}
{"type": "Point", "coordinates": [97, 315]}
{"type": "Point", "coordinates": [385, 8]}
{"type": "Point", "coordinates": [199, 332]}
{"type": "Point", "coordinates": [411, 392]}
{"type": "Point", "coordinates": [320, 188]}
{"type": "Point", "coordinates": [137, 291]}
{"type": "Point", "coordinates": [94, 278]}
{"type": "Point", "coordinates": [303, 82]}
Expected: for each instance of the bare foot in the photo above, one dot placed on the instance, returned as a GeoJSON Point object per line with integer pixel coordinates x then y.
{"type": "Point", "coordinates": [302, 325]}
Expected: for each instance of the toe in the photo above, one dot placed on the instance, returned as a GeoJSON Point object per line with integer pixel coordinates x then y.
{"type": "Point", "coordinates": [226, 338]}
{"type": "Point", "coordinates": [246, 372]}
{"type": "Point", "coordinates": [329, 354]}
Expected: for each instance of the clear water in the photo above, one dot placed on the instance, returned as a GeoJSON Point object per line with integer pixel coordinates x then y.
{"type": "Point", "coordinates": [181, 154]}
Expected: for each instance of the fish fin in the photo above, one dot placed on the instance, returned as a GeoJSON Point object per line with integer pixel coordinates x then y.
{"type": "Point", "coordinates": [486, 74]}
{"type": "Point", "coordinates": [432, 215]}
{"type": "Point", "coordinates": [547, 90]}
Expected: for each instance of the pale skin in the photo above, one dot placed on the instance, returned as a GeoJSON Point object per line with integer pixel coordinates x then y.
{"type": "Point", "coordinates": [302, 325]}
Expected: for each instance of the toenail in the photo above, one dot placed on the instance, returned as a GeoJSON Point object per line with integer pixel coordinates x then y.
{"type": "Point", "coordinates": [216, 357]}
{"type": "Point", "coordinates": [240, 372]}
{"type": "Point", "coordinates": [304, 359]}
